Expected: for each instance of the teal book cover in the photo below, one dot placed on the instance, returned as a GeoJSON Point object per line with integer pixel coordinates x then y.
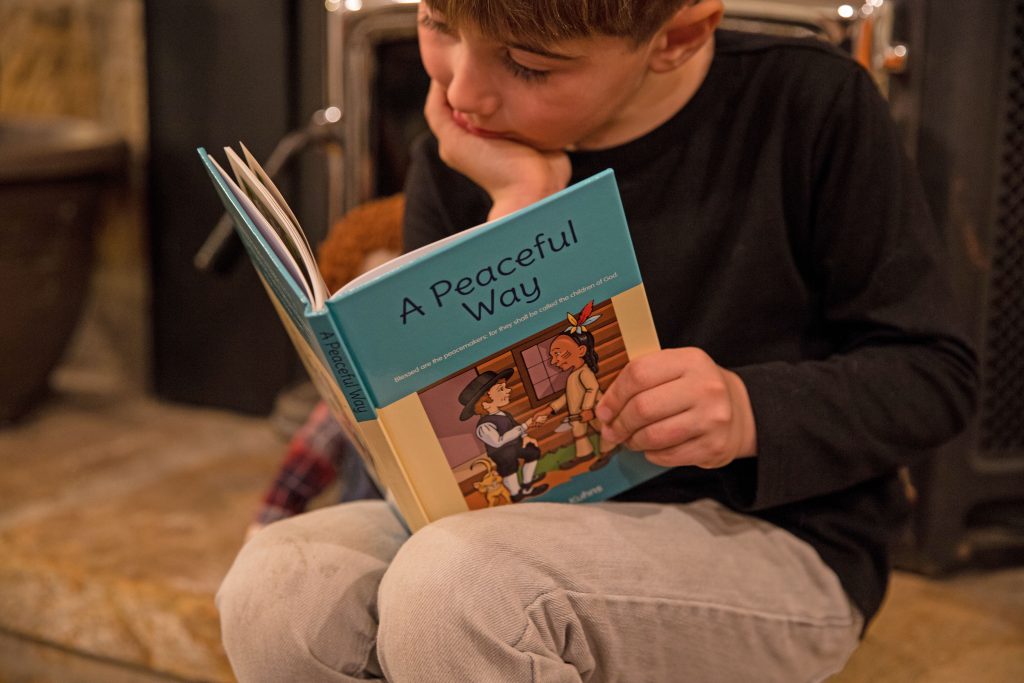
{"type": "Point", "coordinates": [545, 305]}
{"type": "Point", "coordinates": [476, 362]}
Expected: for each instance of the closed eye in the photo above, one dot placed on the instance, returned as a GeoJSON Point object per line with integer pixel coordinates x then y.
{"type": "Point", "coordinates": [431, 24]}
{"type": "Point", "coordinates": [521, 72]}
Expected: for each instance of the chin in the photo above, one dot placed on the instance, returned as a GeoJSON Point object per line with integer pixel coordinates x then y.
{"type": "Point", "coordinates": [540, 145]}
{"type": "Point", "coordinates": [564, 147]}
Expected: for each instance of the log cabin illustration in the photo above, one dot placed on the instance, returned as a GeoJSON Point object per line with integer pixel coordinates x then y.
{"type": "Point", "coordinates": [534, 384]}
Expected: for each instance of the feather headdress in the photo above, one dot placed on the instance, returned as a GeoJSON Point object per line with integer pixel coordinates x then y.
{"type": "Point", "coordinates": [579, 322]}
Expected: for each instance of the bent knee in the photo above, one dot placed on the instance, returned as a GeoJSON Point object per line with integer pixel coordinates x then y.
{"type": "Point", "coordinates": [264, 590]}
{"type": "Point", "coordinates": [288, 596]}
{"type": "Point", "coordinates": [464, 571]}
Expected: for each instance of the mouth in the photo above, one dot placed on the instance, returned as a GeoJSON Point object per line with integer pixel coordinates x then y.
{"type": "Point", "coordinates": [462, 122]}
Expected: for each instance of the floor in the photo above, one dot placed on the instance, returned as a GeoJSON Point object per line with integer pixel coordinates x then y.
{"type": "Point", "coordinates": [119, 514]}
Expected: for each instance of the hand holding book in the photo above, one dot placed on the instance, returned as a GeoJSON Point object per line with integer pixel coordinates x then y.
{"type": "Point", "coordinates": [679, 408]}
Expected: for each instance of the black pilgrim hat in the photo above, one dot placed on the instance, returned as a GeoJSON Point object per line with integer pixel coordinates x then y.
{"type": "Point", "coordinates": [480, 385]}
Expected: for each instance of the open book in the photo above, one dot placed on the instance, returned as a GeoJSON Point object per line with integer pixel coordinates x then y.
{"type": "Point", "coordinates": [466, 372]}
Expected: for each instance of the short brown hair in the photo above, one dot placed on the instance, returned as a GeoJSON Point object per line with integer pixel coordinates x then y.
{"type": "Point", "coordinates": [549, 21]}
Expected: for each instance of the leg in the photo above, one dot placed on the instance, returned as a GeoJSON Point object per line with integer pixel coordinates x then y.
{"type": "Point", "coordinates": [584, 449]}
{"type": "Point", "coordinates": [530, 453]}
{"type": "Point", "coordinates": [581, 443]}
{"type": "Point", "coordinates": [611, 592]}
{"type": "Point", "coordinates": [605, 451]}
{"type": "Point", "coordinates": [300, 601]}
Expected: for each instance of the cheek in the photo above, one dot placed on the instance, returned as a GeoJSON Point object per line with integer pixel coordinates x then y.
{"type": "Point", "coordinates": [544, 123]}
{"type": "Point", "coordinates": [568, 111]}
{"type": "Point", "coordinates": [435, 60]}
{"type": "Point", "coordinates": [546, 109]}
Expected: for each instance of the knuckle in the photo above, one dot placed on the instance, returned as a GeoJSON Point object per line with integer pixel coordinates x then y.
{"type": "Point", "coordinates": [671, 434]}
{"type": "Point", "coordinates": [644, 407]}
{"type": "Point", "coordinates": [714, 389]}
{"type": "Point", "coordinates": [692, 354]}
{"type": "Point", "coordinates": [660, 435]}
{"type": "Point", "coordinates": [627, 377]}
{"type": "Point", "coordinates": [645, 374]}
{"type": "Point", "coordinates": [721, 414]}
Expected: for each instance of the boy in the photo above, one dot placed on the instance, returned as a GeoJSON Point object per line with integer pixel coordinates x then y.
{"type": "Point", "coordinates": [810, 351]}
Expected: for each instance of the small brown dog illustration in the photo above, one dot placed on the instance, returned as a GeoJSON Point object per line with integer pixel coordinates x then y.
{"type": "Point", "coordinates": [491, 486]}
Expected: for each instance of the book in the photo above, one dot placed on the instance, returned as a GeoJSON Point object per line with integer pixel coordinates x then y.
{"type": "Point", "coordinates": [466, 372]}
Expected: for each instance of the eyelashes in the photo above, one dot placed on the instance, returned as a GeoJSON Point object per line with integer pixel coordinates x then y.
{"type": "Point", "coordinates": [523, 73]}
{"type": "Point", "coordinates": [431, 24]}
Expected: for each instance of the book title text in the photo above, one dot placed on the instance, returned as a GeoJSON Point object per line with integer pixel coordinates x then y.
{"type": "Point", "coordinates": [497, 286]}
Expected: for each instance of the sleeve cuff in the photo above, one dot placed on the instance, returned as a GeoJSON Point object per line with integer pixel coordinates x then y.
{"type": "Point", "coordinates": [760, 482]}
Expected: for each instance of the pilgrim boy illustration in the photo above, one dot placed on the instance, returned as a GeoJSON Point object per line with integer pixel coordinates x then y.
{"type": "Point", "coordinates": [573, 349]}
{"type": "Point", "coordinates": [505, 439]}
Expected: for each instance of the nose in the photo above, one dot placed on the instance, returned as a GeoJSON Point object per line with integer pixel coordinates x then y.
{"type": "Point", "coordinates": [471, 89]}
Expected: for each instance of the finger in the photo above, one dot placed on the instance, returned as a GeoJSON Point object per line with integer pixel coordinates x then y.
{"type": "Point", "coordinates": [639, 374]}
{"type": "Point", "coordinates": [647, 408]}
{"type": "Point", "coordinates": [666, 433]}
{"type": "Point", "coordinates": [437, 99]}
{"type": "Point", "coordinates": [561, 167]}
{"type": "Point", "coordinates": [436, 109]}
{"type": "Point", "coordinates": [702, 451]}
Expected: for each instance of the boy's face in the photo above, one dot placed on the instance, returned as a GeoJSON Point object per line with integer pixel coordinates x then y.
{"type": "Point", "coordinates": [574, 93]}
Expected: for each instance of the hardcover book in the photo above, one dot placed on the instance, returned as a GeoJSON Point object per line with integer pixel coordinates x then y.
{"type": "Point", "coordinates": [466, 372]}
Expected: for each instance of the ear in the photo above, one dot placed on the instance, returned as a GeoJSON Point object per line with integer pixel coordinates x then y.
{"type": "Point", "coordinates": [684, 34]}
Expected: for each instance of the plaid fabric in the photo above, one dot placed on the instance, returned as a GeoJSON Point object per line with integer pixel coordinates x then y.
{"type": "Point", "coordinates": [315, 456]}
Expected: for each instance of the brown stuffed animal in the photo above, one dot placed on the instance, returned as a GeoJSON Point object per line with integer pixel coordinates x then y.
{"type": "Point", "coordinates": [365, 237]}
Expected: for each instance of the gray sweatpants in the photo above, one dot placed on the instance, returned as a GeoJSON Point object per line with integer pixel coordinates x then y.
{"type": "Point", "coordinates": [534, 592]}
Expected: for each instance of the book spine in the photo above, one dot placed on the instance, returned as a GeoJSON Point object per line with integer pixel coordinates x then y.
{"type": "Point", "coordinates": [340, 363]}
{"type": "Point", "coordinates": [373, 435]}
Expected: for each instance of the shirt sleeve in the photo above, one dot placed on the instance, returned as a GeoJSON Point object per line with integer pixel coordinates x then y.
{"type": "Point", "coordinates": [488, 433]}
{"type": "Point", "coordinates": [904, 378]}
{"type": "Point", "coordinates": [590, 388]}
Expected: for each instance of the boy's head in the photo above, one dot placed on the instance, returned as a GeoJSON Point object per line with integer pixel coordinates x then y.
{"type": "Point", "coordinates": [557, 74]}
{"type": "Point", "coordinates": [550, 21]}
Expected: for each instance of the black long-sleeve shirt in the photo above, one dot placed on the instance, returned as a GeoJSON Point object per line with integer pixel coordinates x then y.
{"type": "Point", "coordinates": [779, 226]}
